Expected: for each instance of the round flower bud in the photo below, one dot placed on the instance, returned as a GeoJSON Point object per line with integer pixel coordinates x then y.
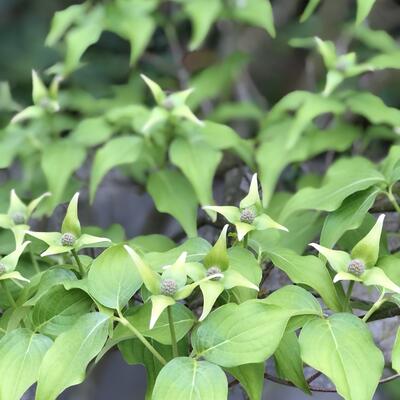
{"type": "Point", "coordinates": [18, 218]}
{"type": "Point", "coordinates": [68, 239]}
{"type": "Point", "coordinates": [168, 104]}
{"type": "Point", "coordinates": [356, 267]}
{"type": "Point", "coordinates": [213, 271]}
{"type": "Point", "coordinates": [168, 287]}
{"type": "Point", "coordinates": [247, 215]}
{"type": "Point", "coordinates": [3, 268]}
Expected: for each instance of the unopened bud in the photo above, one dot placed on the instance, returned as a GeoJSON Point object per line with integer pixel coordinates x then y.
{"type": "Point", "coordinates": [68, 239]}
{"type": "Point", "coordinates": [356, 267]}
{"type": "Point", "coordinates": [214, 271]}
{"type": "Point", "coordinates": [18, 218]}
{"type": "Point", "coordinates": [247, 215]}
{"type": "Point", "coordinates": [168, 287]}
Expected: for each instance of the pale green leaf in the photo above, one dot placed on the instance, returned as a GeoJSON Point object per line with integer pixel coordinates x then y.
{"type": "Point", "coordinates": [58, 309]}
{"type": "Point", "coordinates": [185, 378]}
{"type": "Point", "coordinates": [363, 9]}
{"type": "Point", "coordinates": [251, 378]}
{"type": "Point", "coordinates": [59, 161]}
{"type": "Point", "coordinates": [240, 334]}
{"type": "Point", "coordinates": [307, 270]}
{"type": "Point", "coordinates": [118, 151]}
{"type": "Point", "coordinates": [173, 194]}
{"type": "Point", "coordinates": [65, 363]}
{"type": "Point", "coordinates": [344, 178]}
{"type": "Point", "coordinates": [198, 162]}
{"type": "Point", "coordinates": [21, 354]}
{"type": "Point", "coordinates": [113, 278]}
{"type": "Point", "coordinates": [348, 216]}
{"type": "Point", "coordinates": [341, 347]}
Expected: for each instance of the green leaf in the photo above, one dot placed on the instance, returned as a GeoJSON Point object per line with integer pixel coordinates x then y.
{"type": "Point", "coordinates": [155, 88]}
{"type": "Point", "coordinates": [149, 277]}
{"type": "Point", "coordinates": [373, 108]}
{"type": "Point", "coordinates": [296, 299]}
{"type": "Point", "coordinates": [289, 364]}
{"type": "Point", "coordinates": [113, 278]}
{"type": "Point", "coordinates": [255, 12]}
{"type": "Point", "coordinates": [363, 9]}
{"type": "Point", "coordinates": [39, 90]}
{"type": "Point", "coordinates": [309, 10]}
{"type": "Point", "coordinates": [273, 156]}
{"type": "Point", "coordinates": [59, 161]}
{"type": "Point", "coordinates": [202, 15]}
{"type": "Point", "coordinates": [91, 131]}
{"type": "Point", "coordinates": [390, 166]}
{"type": "Point", "coordinates": [348, 216]}
{"type": "Point", "coordinates": [198, 162]}
{"type": "Point", "coordinates": [62, 20]}
{"type": "Point", "coordinates": [49, 279]}
{"type": "Point", "coordinates": [367, 249]}
{"type": "Point", "coordinates": [240, 334]}
{"type": "Point", "coordinates": [173, 194]}
{"type": "Point", "coordinates": [341, 347]}
{"type": "Point", "coordinates": [133, 22]}
{"type": "Point", "coordinates": [218, 255]}
{"type": "Point", "coordinates": [71, 222]}
{"type": "Point", "coordinates": [251, 378]}
{"type": "Point", "coordinates": [185, 378]}
{"type": "Point", "coordinates": [196, 249]}
{"type": "Point", "coordinates": [59, 309]}
{"type": "Point", "coordinates": [140, 319]}
{"type": "Point", "coordinates": [79, 38]}
{"type": "Point", "coordinates": [344, 178]}
{"type": "Point", "coordinates": [216, 79]}
{"type": "Point", "coordinates": [65, 363]}
{"type": "Point", "coordinates": [118, 151]}
{"type": "Point", "coordinates": [307, 270]}
{"type": "Point", "coordinates": [21, 354]}
{"type": "Point", "coordinates": [153, 242]}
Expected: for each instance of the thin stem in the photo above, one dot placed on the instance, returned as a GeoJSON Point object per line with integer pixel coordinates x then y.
{"type": "Point", "coordinates": [374, 307]}
{"type": "Point", "coordinates": [172, 332]}
{"type": "Point", "coordinates": [389, 378]}
{"type": "Point", "coordinates": [8, 294]}
{"type": "Point", "coordinates": [245, 241]}
{"type": "Point", "coordinates": [145, 342]}
{"type": "Point", "coordinates": [392, 199]}
{"type": "Point", "coordinates": [78, 261]}
{"type": "Point", "coordinates": [34, 261]}
{"type": "Point", "coordinates": [348, 294]}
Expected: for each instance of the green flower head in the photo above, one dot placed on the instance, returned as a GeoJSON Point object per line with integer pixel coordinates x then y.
{"type": "Point", "coordinates": [360, 264]}
{"type": "Point", "coordinates": [216, 267]}
{"type": "Point", "coordinates": [168, 287]}
{"type": "Point", "coordinates": [250, 215]}
{"type": "Point", "coordinates": [70, 237]}
{"type": "Point", "coordinates": [17, 217]}
{"type": "Point", "coordinates": [9, 263]}
{"type": "Point", "coordinates": [168, 105]}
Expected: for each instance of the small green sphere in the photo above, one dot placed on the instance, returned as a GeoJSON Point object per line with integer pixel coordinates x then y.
{"type": "Point", "coordinates": [213, 271]}
{"type": "Point", "coordinates": [168, 104]}
{"type": "Point", "coordinates": [68, 239]}
{"type": "Point", "coordinates": [18, 218]}
{"type": "Point", "coordinates": [356, 267]}
{"type": "Point", "coordinates": [248, 215]}
{"type": "Point", "coordinates": [168, 287]}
